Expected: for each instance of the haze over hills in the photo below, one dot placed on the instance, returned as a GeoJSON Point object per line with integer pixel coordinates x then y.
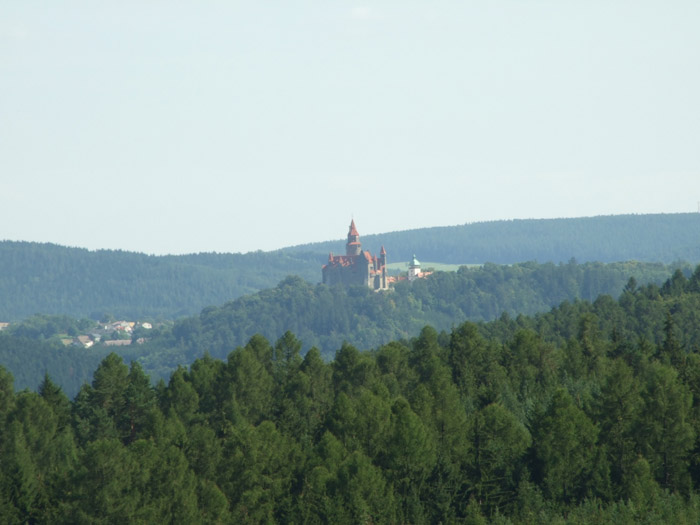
{"type": "Point", "coordinates": [325, 317]}
{"type": "Point", "coordinates": [610, 238]}
{"type": "Point", "coordinates": [585, 414]}
{"type": "Point", "coordinates": [51, 279]}
{"type": "Point", "coordinates": [190, 362]}
{"type": "Point", "coordinates": [75, 282]}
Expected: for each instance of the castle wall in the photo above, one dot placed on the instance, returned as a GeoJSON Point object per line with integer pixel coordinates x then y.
{"type": "Point", "coordinates": [357, 273]}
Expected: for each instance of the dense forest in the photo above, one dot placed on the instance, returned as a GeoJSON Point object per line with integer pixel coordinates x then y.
{"type": "Point", "coordinates": [588, 413]}
{"type": "Point", "coordinates": [322, 316]}
{"type": "Point", "coordinates": [652, 238]}
{"type": "Point", "coordinates": [325, 317]}
{"type": "Point", "coordinates": [50, 279]}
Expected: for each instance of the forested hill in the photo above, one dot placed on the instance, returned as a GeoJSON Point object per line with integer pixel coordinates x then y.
{"type": "Point", "coordinates": [587, 414]}
{"type": "Point", "coordinates": [327, 317]}
{"type": "Point", "coordinates": [653, 238]}
{"type": "Point", "coordinates": [52, 279]}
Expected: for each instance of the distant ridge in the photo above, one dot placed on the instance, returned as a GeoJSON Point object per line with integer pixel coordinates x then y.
{"type": "Point", "coordinates": [52, 279]}
{"type": "Point", "coordinates": [606, 238]}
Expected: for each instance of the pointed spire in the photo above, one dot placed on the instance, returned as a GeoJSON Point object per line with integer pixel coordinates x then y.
{"type": "Point", "coordinates": [353, 246]}
{"type": "Point", "coordinates": [382, 251]}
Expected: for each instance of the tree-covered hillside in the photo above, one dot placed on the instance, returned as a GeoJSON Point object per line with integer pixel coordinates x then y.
{"type": "Point", "coordinates": [51, 279]}
{"type": "Point", "coordinates": [589, 413]}
{"type": "Point", "coordinates": [653, 238]}
{"type": "Point", "coordinates": [326, 317]}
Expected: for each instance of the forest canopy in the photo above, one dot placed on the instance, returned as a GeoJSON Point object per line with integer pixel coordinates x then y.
{"type": "Point", "coordinates": [322, 316]}
{"type": "Point", "coordinates": [588, 413]}
{"type": "Point", "coordinates": [607, 238]}
{"type": "Point", "coordinates": [58, 280]}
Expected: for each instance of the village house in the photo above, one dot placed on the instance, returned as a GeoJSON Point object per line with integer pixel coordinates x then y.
{"type": "Point", "coordinates": [121, 326]}
{"type": "Point", "coordinates": [84, 341]}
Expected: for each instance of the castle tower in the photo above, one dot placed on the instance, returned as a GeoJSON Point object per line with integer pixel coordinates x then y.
{"type": "Point", "coordinates": [382, 268]}
{"type": "Point", "coordinates": [413, 269]}
{"type": "Point", "coordinates": [353, 246]}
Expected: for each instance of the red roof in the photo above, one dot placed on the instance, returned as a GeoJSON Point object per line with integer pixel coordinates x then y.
{"type": "Point", "coordinates": [382, 251]}
{"type": "Point", "coordinates": [353, 229]}
{"type": "Point", "coordinates": [341, 260]}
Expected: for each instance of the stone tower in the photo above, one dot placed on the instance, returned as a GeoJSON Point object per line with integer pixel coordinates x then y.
{"type": "Point", "coordinates": [353, 246]}
{"type": "Point", "coordinates": [413, 269]}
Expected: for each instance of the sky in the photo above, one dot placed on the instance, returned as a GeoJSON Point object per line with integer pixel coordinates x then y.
{"type": "Point", "coordinates": [170, 127]}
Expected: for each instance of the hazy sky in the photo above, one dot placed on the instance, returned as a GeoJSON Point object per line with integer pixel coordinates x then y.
{"type": "Point", "coordinates": [178, 127]}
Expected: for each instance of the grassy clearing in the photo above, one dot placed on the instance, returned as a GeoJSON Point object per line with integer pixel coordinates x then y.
{"type": "Point", "coordinates": [398, 267]}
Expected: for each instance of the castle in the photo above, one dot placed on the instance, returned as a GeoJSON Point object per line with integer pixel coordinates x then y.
{"type": "Point", "coordinates": [356, 266]}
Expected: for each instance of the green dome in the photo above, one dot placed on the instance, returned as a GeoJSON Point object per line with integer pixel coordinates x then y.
{"type": "Point", "coordinates": [414, 261]}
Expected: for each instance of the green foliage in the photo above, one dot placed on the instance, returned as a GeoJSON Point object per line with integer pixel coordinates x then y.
{"type": "Point", "coordinates": [651, 237]}
{"type": "Point", "coordinates": [30, 359]}
{"type": "Point", "coordinates": [616, 408]}
{"type": "Point", "coordinates": [565, 441]}
{"type": "Point", "coordinates": [326, 317]}
{"type": "Point", "coordinates": [98, 284]}
{"type": "Point", "coordinates": [496, 457]}
{"type": "Point", "coordinates": [665, 433]}
{"type": "Point", "coordinates": [588, 413]}
{"type": "Point", "coordinates": [102, 284]}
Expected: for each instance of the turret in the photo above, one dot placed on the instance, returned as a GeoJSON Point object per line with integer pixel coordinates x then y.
{"type": "Point", "coordinates": [353, 246]}
{"type": "Point", "coordinates": [413, 268]}
{"type": "Point", "coordinates": [382, 267]}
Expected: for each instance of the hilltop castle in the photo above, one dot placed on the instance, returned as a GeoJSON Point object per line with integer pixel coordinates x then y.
{"type": "Point", "coordinates": [356, 266]}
